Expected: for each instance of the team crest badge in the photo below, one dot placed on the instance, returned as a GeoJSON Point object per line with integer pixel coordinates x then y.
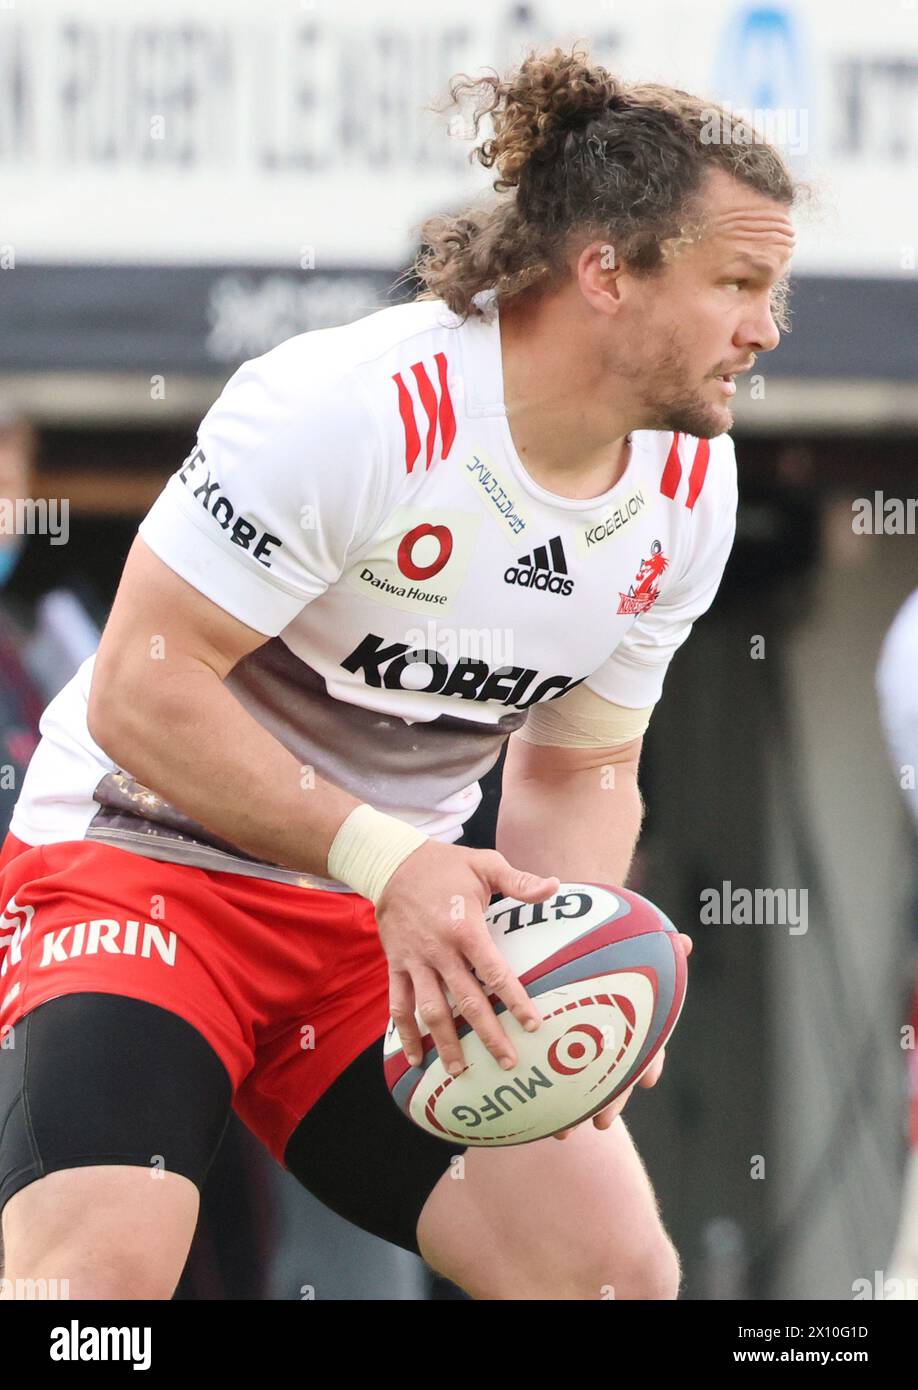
{"type": "Point", "coordinates": [645, 590]}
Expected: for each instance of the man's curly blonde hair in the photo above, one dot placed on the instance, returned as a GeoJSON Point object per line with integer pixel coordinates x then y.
{"type": "Point", "coordinates": [581, 155]}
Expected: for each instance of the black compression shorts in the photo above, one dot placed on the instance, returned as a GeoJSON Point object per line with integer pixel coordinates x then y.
{"type": "Point", "coordinates": [94, 1078]}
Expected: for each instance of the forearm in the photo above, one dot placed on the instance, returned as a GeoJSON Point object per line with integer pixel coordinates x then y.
{"type": "Point", "coordinates": [193, 743]}
{"type": "Point", "coordinates": [580, 826]}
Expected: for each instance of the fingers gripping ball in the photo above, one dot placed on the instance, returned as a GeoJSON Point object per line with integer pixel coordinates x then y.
{"type": "Point", "coordinates": [608, 971]}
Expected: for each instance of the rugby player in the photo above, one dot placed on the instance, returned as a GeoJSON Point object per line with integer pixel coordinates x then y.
{"type": "Point", "coordinates": [235, 851]}
{"type": "Point", "coordinates": [898, 703]}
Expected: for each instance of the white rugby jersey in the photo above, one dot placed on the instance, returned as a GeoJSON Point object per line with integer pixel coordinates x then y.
{"type": "Point", "coordinates": [356, 496]}
{"type": "Point", "coordinates": [897, 692]}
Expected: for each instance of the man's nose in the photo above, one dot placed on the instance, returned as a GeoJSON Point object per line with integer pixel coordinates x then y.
{"type": "Point", "coordinates": [761, 334]}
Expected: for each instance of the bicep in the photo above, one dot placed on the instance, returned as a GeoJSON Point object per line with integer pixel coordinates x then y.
{"type": "Point", "coordinates": [287, 475]}
{"type": "Point", "coordinates": [577, 731]}
{"type": "Point", "coordinates": [161, 630]}
{"type": "Point", "coordinates": [526, 761]}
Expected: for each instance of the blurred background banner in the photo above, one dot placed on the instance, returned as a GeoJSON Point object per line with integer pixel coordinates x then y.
{"type": "Point", "coordinates": [193, 182]}
{"type": "Point", "coordinates": [186, 184]}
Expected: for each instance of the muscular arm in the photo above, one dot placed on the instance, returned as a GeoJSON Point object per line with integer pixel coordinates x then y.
{"type": "Point", "coordinates": [579, 810]}
{"type": "Point", "coordinates": [574, 812]}
{"type": "Point", "coordinates": [158, 707]}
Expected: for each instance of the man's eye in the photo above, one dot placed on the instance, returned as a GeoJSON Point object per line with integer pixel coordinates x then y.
{"type": "Point", "coordinates": [738, 283]}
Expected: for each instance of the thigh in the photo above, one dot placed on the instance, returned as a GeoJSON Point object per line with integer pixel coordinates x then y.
{"type": "Point", "coordinates": [98, 1079]}
{"type": "Point", "coordinates": [317, 1098]}
{"type": "Point", "coordinates": [104, 1232]}
{"type": "Point", "coordinates": [358, 1153]}
{"type": "Point", "coordinates": [556, 1218]}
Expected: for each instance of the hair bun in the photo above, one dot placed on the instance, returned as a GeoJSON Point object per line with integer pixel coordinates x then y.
{"type": "Point", "coordinates": [536, 108]}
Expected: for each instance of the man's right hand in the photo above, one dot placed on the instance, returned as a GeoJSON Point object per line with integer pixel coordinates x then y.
{"type": "Point", "coordinates": [432, 928]}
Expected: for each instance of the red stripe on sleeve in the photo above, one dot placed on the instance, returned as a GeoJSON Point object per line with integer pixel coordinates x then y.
{"type": "Point", "coordinates": [447, 414]}
{"type": "Point", "coordinates": [699, 470]}
{"type": "Point", "coordinates": [406, 410]}
{"type": "Point", "coordinates": [429, 402]}
{"type": "Point", "coordinates": [672, 472]}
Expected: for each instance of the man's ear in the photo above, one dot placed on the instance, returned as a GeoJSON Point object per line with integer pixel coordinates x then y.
{"type": "Point", "coordinates": [602, 276]}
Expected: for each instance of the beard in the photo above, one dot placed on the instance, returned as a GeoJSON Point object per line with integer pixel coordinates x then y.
{"type": "Point", "coordinates": [688, 413]}
{"type": "Point", "coordinates": [666, 403]}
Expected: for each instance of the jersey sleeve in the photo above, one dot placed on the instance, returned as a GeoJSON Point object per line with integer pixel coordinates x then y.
{"type": "Point", "coordinates": [897, 694]}
{"type": "Point", "coordinates": [633, 675]}
{"type": "Point", "coordinates": [288, 474]}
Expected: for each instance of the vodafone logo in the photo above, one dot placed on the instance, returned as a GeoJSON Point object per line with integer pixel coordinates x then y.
{"type": "Point", "coordinates": [424, 539]}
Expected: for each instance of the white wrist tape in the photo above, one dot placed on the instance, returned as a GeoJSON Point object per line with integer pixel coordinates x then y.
{"type": "Point", "coordinates": [368, 848]}
{"type": "Point", "coordinates": [582, 719]}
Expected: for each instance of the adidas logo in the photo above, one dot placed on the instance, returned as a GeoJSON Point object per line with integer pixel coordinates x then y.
{"type": "Point", "coordinates": [545, 568]}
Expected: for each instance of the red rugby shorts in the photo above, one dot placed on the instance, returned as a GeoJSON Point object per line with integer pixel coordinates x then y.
{"type": "Point", "coordinates": [288, 985]}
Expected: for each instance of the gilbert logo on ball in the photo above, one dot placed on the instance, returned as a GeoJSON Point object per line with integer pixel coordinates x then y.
{"type": "Point", "coordinates": [608, 972]}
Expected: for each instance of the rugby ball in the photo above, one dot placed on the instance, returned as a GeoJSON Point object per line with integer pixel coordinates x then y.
{"type": "Point", "coordinates": [608, 972]}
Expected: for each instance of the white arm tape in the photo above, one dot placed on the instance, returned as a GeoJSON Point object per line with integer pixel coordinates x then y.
{"type": "Point", "coordinates": [582, 719]}
{"type": "Point", "coordinates": [368, 848]}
